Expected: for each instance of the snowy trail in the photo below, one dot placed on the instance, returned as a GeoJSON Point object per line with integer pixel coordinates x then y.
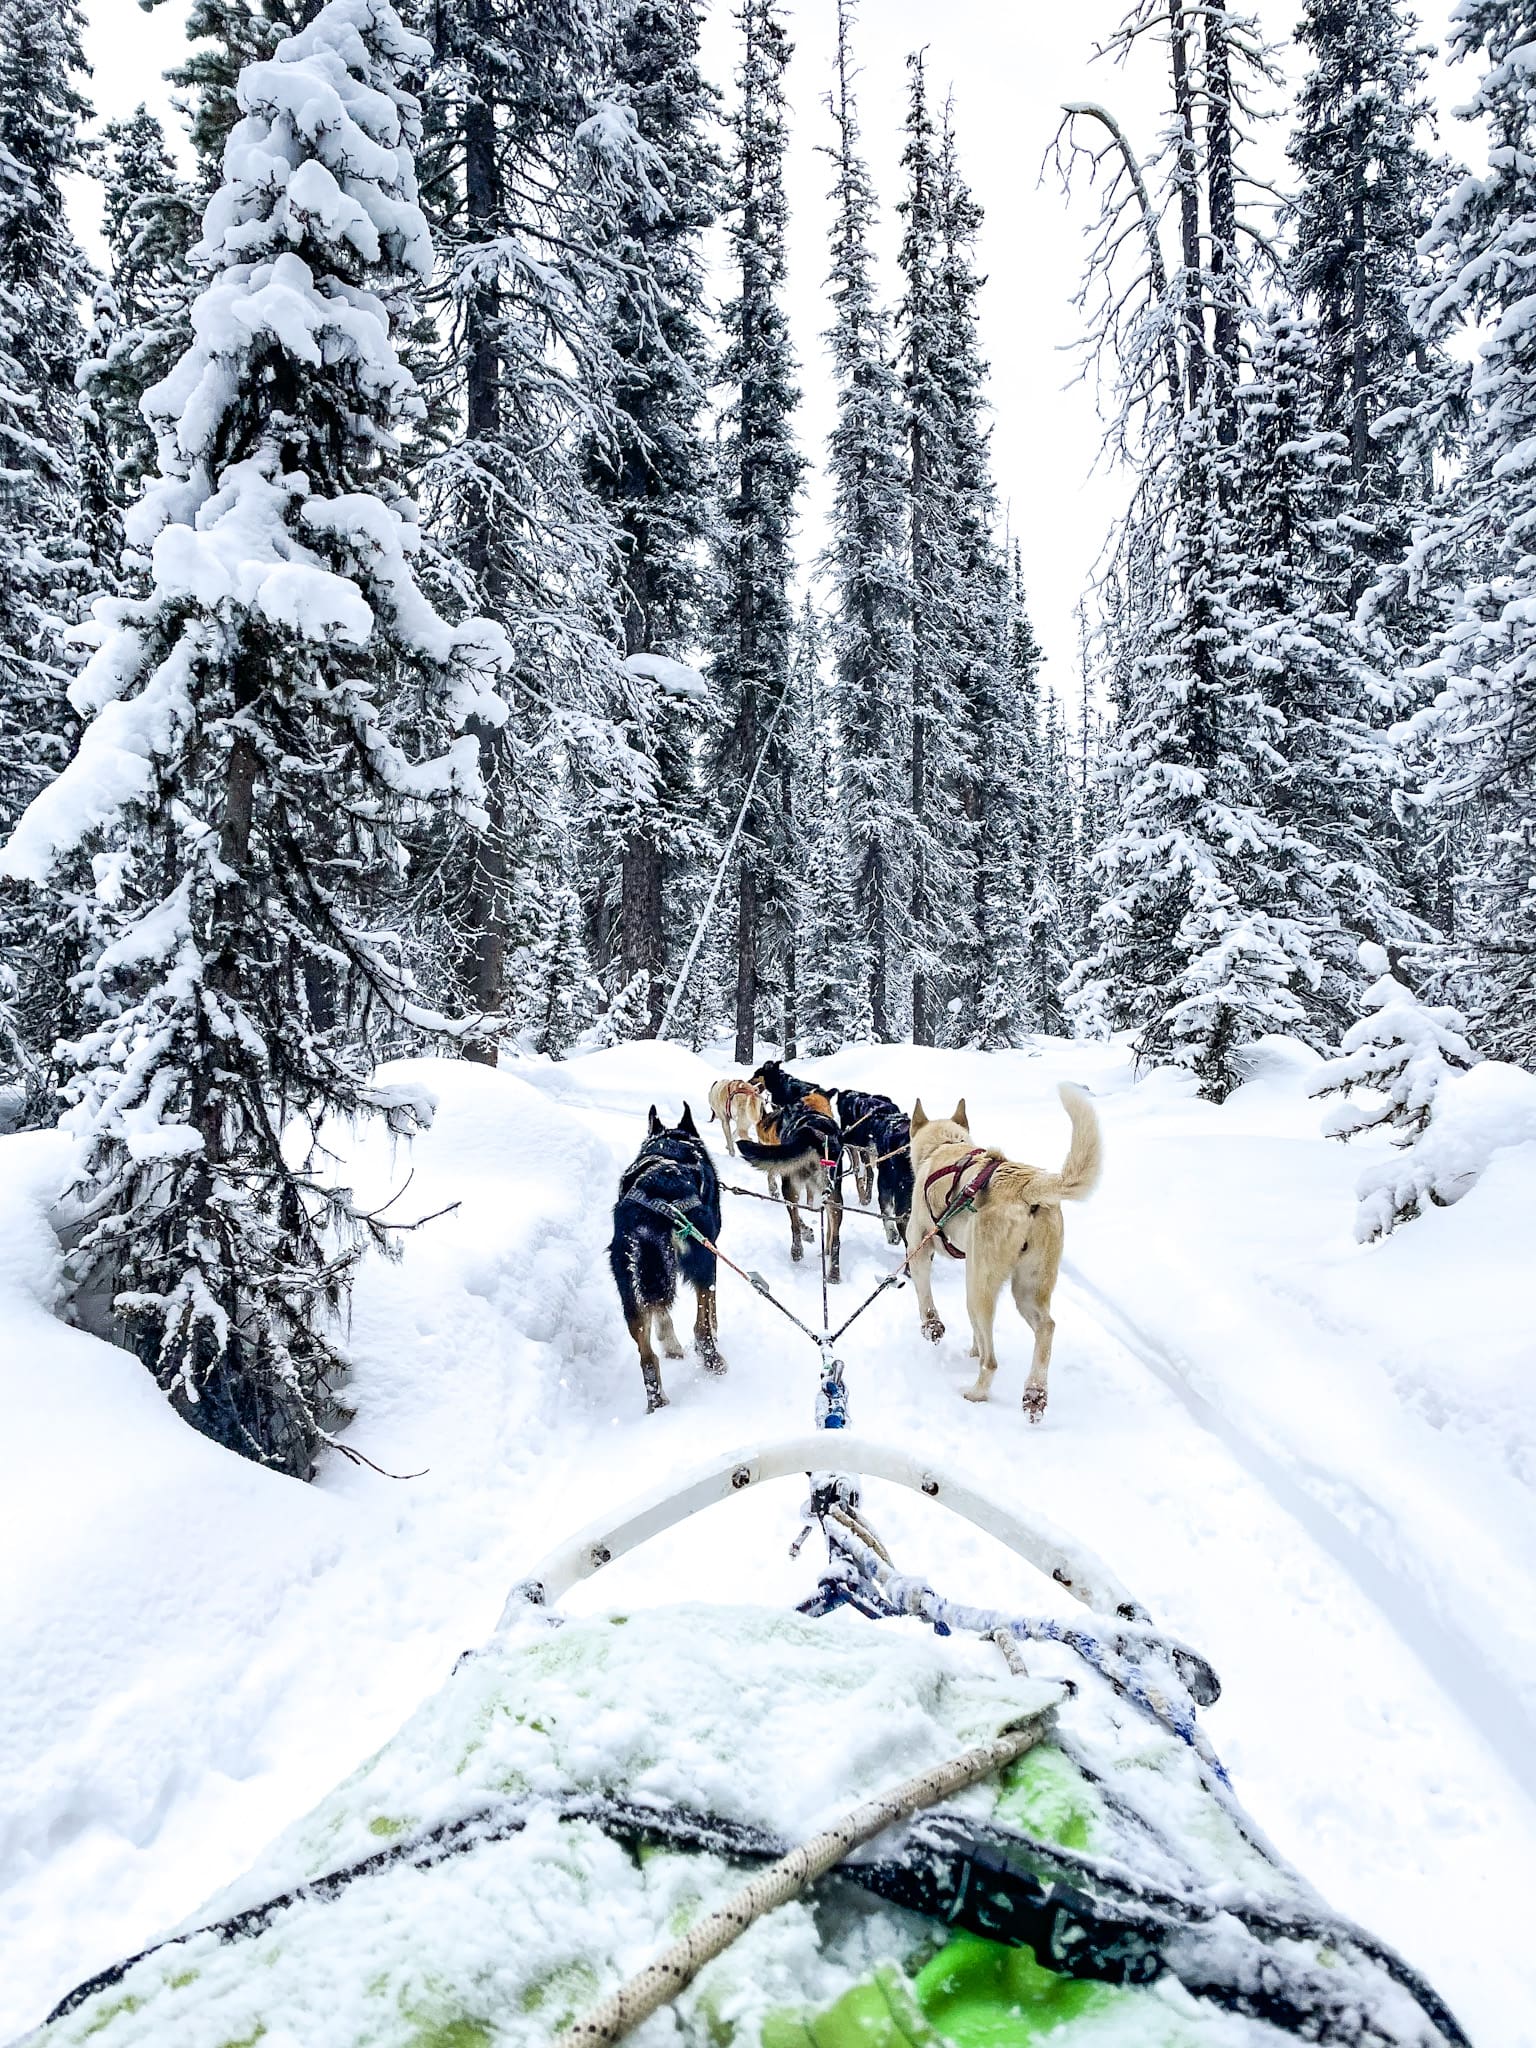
{"type": "Point", "coordinates": [156, 1765]}
{"type": "Point", "coordinates": [1453, 1659]}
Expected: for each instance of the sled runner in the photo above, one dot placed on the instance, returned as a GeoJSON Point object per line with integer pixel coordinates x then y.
{"type": "Point", "coordinates": [887, 1820]}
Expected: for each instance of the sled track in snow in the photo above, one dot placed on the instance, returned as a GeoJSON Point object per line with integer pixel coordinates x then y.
{"type": "Point", "coordinates": [1453, 1659]}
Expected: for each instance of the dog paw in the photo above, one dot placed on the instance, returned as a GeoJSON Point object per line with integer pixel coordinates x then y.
{"type": "Point", "coordinates": [1034, 1402]}
{"type": "Point", "coordinates": [655, 1401]}
{"type": "Point", "coordinates": [712, 1361]}
{"type": "Point", "coordinates": [673, 1350]}
{"type": "Point", "coordinates": [933, 1329]}
{"type": "Point", "coordinates": [796, 1253]}
{"type": "Point", "coordinates": [978, 1392]}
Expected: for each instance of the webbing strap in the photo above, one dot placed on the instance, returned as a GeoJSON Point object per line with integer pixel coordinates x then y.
{"type": "Point", "coordinates": [955, 1202]}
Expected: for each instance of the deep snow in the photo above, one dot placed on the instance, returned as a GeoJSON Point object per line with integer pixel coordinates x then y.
{"type": "Point", "coordinates": [1315, 1461]}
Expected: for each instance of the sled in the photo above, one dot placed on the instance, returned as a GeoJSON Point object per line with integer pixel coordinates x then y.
{"type": "Point", "coordinates": [613, 1826]}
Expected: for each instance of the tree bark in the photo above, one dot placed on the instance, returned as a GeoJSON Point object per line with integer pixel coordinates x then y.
{"type": "Point", "coordinates": [746, 965]}
{"type": "Point", "coordinates": [1189, 206]}
{"type": "Point", "coordinates": [642, 926]}
{"type": "Point", "coordinates": [486, 905]}
{"type": "Point", "coordinates": [1222, 202]}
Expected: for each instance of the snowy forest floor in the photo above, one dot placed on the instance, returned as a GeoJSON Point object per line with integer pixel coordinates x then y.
{"type": "Point", "coordinates": [1315, 1462]}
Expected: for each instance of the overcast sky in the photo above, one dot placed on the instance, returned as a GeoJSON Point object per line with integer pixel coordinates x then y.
{"type": "Point", "coordinates": [1010, 64]}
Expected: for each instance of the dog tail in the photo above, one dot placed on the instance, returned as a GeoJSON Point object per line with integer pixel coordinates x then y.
{"type": "Point", "coordinates": [643, 1261]}
{"type": "Point", "coordinates": [805, 1147]}
{"type": "Point", "coordinates": [1079, 1175]}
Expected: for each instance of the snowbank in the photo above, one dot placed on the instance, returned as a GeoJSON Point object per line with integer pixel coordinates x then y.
{"type": "Point", "coordinates": [1314, 1460]}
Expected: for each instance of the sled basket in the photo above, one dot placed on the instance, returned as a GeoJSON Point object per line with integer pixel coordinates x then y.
{"type": "Point", "coordinates": [583, 1795]}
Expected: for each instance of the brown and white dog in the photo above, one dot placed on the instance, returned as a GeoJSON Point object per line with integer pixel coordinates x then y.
{"type": "Point", "coordinates": [802, 1154]}
{"type": "Point", "coordinates": [737, 1106]}
{"type": "Point", "coordinates": [1011, 1229]}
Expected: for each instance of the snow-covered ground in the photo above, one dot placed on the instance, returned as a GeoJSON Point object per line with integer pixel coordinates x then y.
{"type": "Point", "coordinates": [1316, 1462]}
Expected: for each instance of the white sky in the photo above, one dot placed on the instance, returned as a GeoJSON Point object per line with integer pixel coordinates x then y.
{"type": "Point", "coordinates": [1010, 64]}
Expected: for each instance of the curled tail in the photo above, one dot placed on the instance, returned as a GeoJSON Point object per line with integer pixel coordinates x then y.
{"type": "Point", "coordinates": [1079, 1174]}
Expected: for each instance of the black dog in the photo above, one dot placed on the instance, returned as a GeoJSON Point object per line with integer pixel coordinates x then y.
{"type": "Point", "coordinates": [878, 1139]}
{"type": "Point", "coordinates": [783, 1089]}
{"type": "Point", "coordinates": [671, 1175]}
{"type": "Point", "coordinates": [803, 1145]}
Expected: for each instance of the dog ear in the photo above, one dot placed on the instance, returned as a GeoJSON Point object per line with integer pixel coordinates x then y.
{"type": "Point", "coordinates": [688, 1123]}
{"type": "Point", "coordinates": [654, 1124]}
{"type": "Point", "coordinates": [960, 1116]}
{"type": "Point", "coordinates": [919, 1116]}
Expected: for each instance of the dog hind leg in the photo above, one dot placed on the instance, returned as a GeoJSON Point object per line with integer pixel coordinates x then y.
{"type": "Point", "coordinates": [671, 1343]}
{"type": "Point", "coordinates": [650, 1371]}
{"type": "Point", "coordinates": [706, 1331]}
{"type": "Point", "coordinates": [1037, 1314]}
{"type": "Point", "coordinates": [982, 1286]}
{"type": "Point", "coordinates": [797, 1230]}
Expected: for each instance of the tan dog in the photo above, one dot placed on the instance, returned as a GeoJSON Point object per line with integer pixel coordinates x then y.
{"type": "Point", "coordinates": [737, 1106]}
{"type": "Point", "coordinates": [1011, 1229]}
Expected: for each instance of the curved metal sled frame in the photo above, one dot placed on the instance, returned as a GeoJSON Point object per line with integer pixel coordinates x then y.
{"type": "Point", "coordinates": [1038, 1542]}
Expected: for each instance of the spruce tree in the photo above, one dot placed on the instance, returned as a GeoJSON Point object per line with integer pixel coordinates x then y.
{"type": "Point", "coordinates": [1480, 732]}
{"type": "Point", "coordinates": [1010, 840]}
{"type": "Point", "coordinates": [979, 870]}
{"type": "Point", "coordinates": [1400, 1051]}
{"type": "Point", "coordinates": [940, 903]}
{"type": "Point", "coordinates": [760, 477]}
{"type": "Point", "coordinates": [44, 558]}
{"type": "Point", "coordinates": [1197, 942]}
{"type": "Point", "coordinates": [652, 470]}
{"type": "Point", "coordinates": [1197, 939]}
{"type": "Point", "coordinates": [150, 223]}
{"type": "Point", "coordinates": [866, 561]}
{"type": "Point", "coordinates": [1332, 788]}
{"type": "Point", "coordinates": [265, 723]}
{"type": "Point", "coordinates": [831, 979]}
{"type": "Point", "coordinates": [1044, 871]}
{"type": "Point", "coordinates": [537, 168]}
{"type": "Point", "coordinates": [1365, 187]}
{"type": "Point", "coordinates": [1388, 393]}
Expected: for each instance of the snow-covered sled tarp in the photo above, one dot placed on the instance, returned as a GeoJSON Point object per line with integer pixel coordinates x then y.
{"type": "Point", "coordinates": [581, 1791]}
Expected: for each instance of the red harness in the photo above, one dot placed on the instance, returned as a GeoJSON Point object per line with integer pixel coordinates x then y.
{"type": "Point", "coordinates": [953, 1200]}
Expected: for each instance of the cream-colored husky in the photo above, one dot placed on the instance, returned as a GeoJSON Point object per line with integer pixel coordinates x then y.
{"type": "Point", "coordinates": [737, 1106]}
{"type": "Point", "coordinates": [1011, 1230]}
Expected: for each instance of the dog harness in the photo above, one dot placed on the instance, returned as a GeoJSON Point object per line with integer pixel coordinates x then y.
{"type": "Point", "coordinates": [957, 1199]}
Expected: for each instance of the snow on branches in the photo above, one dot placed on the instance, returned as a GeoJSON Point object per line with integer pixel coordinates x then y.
{"type": "Point", "coordinates": [1401, 1052]}
{"type": "Point", "coordinates": [269, 725]}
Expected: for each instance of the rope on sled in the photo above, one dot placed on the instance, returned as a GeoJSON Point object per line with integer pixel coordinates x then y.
{"type": "Point", "coordinates": [675, 1968]}
{"type": "Point", "coordinates": [862, 1577]}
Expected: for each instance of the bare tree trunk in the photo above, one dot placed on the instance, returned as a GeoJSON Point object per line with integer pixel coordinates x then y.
{"type": "Point", "coordinates": [486, 906]}
{"type": "Point", "coordinates": [879, 964]}
{"type": "Point", "coordinates": [746, 965]}
{"type": "Point", "coordinates": [1189, 206]}
{"type": "Point", "coordinates": [641, 949]}
{"type": "Point", "coordinates": [642, 931]}
{"type": "Point", "coordinates": [922, 1019]}
{"type": "Point", "coordinates": [1222, 190]}
{"type": "Point", "coordinates": [1360, 362]}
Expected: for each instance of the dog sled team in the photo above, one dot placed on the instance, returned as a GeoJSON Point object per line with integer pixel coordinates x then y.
{"type": "Point", "coordinates": [937, 1191]}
